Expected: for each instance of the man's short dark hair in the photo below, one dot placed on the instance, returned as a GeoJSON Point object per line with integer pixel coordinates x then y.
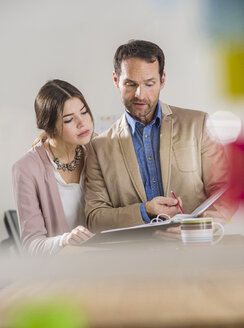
{"type": "Point", "coordinates": [141, 49]}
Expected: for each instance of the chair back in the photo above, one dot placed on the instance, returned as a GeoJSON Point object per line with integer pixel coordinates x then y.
{"type": "Point", "coordinates": [12, 227]}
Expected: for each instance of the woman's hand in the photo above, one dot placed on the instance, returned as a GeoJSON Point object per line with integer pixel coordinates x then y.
{"type": "Point", "coordinates": [77, 236]}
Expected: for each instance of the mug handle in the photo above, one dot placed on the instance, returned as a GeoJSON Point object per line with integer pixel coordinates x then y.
{"type": "Point", "coordinates": [222, 232]}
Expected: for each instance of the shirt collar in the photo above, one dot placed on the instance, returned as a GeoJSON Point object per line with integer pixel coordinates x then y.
{"type": "Point", "coordinates": [156, 120]}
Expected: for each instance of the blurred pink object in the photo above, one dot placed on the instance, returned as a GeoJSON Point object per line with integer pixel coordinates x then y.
{"type": "Point", "coordinates": [236, 154]}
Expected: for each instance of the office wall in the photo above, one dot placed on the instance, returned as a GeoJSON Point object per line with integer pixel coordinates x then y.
{"type": "Point", "coordinates": [75, 40]}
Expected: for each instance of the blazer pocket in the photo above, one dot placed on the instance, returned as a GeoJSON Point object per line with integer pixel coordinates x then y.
{"type": "Point", "coordinates": [185, 153]}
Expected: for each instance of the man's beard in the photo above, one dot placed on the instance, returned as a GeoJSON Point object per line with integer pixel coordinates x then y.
{"type": "Point", "coordinates": [140, 115]}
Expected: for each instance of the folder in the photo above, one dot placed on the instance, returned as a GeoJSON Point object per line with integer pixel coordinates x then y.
{"type": "Point", "coordinates": [148, 230]}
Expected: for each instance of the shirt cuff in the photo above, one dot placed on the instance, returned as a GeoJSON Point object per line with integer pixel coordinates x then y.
{"type": "Point", "coordinates": [144, 213]}
{"type": "Point", "coordinates": [61, 240]}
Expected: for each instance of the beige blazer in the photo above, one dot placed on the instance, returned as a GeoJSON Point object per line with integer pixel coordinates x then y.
{"type": "Point", "coordinates": [191, 165]}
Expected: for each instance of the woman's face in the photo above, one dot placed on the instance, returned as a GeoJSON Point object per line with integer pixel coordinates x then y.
{"type": "Point", "coordinates": [74, 127]}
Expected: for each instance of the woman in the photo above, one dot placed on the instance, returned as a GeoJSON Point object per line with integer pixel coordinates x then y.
{"type": "Point", "coordinates": [48, 181]}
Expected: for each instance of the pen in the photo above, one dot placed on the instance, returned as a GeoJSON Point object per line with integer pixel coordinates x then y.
{"type": "Point", "coordinates": [180, 208]}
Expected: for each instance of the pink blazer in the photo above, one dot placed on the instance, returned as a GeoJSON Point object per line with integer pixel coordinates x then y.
{"type": "Point", "coordinates": [39, 206]}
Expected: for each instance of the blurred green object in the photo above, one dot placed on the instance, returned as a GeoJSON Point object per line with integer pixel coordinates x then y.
{"type": "Point", "coordinates": [235, 70]}
{"type": "Point", "coordinates": [48, 314]}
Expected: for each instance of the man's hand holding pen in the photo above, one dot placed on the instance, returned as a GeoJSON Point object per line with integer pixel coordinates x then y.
{"type": "Point", "coordinates": [166, 205]}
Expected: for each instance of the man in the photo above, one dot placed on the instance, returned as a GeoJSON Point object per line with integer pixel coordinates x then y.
{"type": "Point", "coordinates": [151, 150]}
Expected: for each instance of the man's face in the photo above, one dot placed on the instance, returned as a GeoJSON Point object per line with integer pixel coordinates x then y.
{"type": "Point", "coordinates": [139, 84]}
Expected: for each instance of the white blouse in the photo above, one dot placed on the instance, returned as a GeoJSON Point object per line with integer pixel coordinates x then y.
{"type": "Point", "coordinates": [72, 198]}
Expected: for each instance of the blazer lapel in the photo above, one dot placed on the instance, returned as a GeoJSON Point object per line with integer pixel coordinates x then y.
{"type": "Point", "coordinates": [129, 155]}
{"type": "Point", "coordinates": [52, 183]}
{"type": "Point", "coordinates": [166, 131]}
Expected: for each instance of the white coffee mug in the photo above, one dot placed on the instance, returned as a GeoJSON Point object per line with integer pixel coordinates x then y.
{"type": "Point", "coordinates": [200, 231]}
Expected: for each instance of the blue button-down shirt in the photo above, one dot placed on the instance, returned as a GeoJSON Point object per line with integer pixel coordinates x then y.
{"type": "Point", "coordinates": [146, 140]}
